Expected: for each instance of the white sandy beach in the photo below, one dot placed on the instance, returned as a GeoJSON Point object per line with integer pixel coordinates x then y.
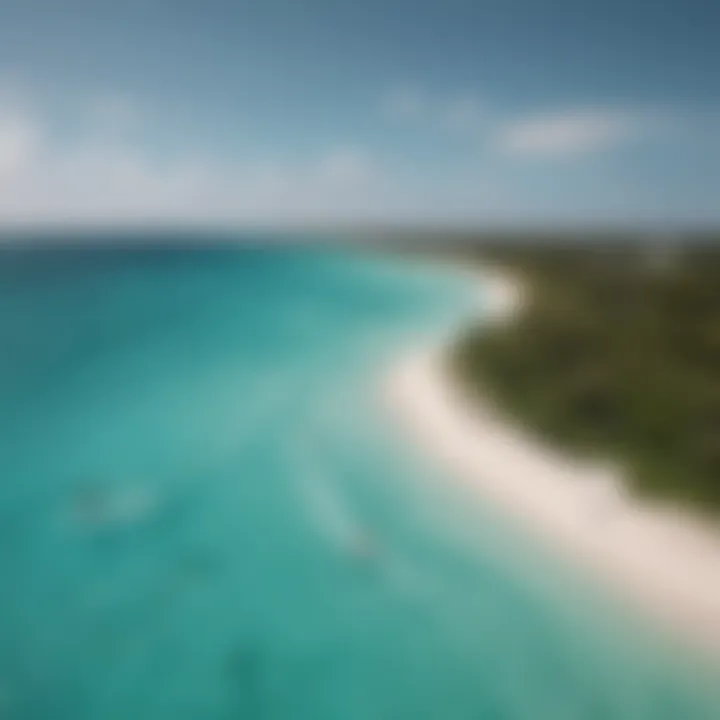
{"type": "Point", "coordinates": [663, 559]}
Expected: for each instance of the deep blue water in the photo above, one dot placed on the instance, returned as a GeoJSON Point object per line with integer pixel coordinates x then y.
{"type": "Point", "coordinates": [206, 511]}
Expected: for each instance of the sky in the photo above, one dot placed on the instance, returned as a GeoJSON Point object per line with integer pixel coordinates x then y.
{"type": "Point", "coordinates": [467, 112]}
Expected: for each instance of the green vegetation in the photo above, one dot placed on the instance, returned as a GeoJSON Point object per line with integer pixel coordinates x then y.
{"type": "Point", "coordinates": [616, 352]}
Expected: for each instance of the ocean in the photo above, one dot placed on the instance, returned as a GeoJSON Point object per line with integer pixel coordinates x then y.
{"type": "Point", "coordinates": [207, 511]}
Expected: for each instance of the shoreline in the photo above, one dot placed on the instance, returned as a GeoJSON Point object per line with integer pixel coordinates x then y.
{"type": "Point", "coordinates": [662, 559]}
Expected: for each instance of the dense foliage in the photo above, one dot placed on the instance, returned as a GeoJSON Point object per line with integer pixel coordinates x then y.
{"type": "Point", "coordinates": [616, 351]}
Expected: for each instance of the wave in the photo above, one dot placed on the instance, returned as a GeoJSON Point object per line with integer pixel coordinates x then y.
{"type": "Point", "coordinates": [328, 509]}
{"type": "Point", "coordinates": [97, 507]}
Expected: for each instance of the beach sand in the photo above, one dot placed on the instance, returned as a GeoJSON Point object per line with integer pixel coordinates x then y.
{"type": "Point", "coordinates": [663, 559]}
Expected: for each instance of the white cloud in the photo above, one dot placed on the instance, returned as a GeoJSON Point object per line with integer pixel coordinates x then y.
{"type": "Point", "coordinates": [573, 132]}
{"type": "Point", "coordinates": [20, 133]}
{"type": "Point", "coordinates": [105, 170]}
{"type": "Point", "coordinates": [405, 102]}
{"type": "Point", "coordinates": [464, 113]}
{"type": "Point", "coordinates": [113, 184]}
{"type": "Point", "coordinates": [109, 175]}
{"type": "Point", "coordinates": [346, 167]}
{"type": "Point", "coordinates": [112, 114]}
{"type": "Point", "coordinates": [19, 141]}
{"type": "Point", "coordinates": [557, 133]}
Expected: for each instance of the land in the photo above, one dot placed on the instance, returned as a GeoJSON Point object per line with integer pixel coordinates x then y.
{"type": "Point", "coordinates": [615, 352]}
{"type": "Point", "coordinates": [585, 402]}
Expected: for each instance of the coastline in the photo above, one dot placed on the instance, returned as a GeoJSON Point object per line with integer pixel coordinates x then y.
{"type": "Point", "coordinates": [662, 559]}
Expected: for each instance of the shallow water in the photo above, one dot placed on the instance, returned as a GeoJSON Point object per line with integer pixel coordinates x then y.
{"type": "Point", "coordinates": [205, 511]}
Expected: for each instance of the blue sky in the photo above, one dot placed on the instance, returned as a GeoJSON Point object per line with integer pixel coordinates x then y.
{"type": "Point", "coordinates": [477, 112]}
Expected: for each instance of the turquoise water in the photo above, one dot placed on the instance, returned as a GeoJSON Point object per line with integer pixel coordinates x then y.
{"type": "Point", "coordinates": [206, 512]}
